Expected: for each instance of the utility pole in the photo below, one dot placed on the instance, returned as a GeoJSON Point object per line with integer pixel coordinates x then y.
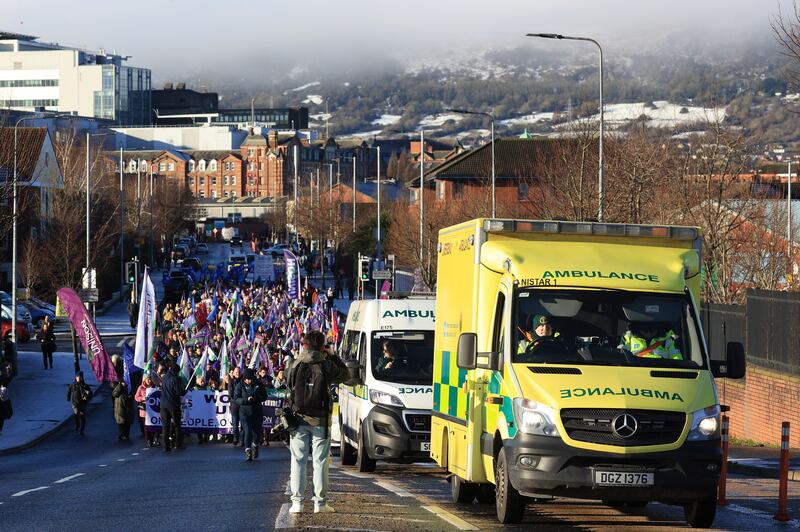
{"type": "Point", "coordinates": [354, 191]}
{"type": "Point", "coordinates": [422, 193]}
{"type": "Point", "coordinates": [790, 269]}
{"type": "Point", "coordinates": [294, 211]}
{"type": "Point", "coordinates": [121, 227]}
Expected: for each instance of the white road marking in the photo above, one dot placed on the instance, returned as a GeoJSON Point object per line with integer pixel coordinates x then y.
{"type": "Point", "coordinates": [102, 465]}
{"type": "Point", "coordinates": [66, 479]}
{"type": "Point", "coordinates": [121, 342]}
{"type": "Point", "coordinates": [120, 459]}
{"type": "Point", "coordinates": [355, 474]}
{"type": "Point", "coordinates": [25, 492]}
{"type": "Point", "coordinates": [284, 518]}
{"type": "Point", "coordinates": [134, 454]}
{"type": "Point", "coordinates": [397, 490]}
{"type": "Point", "coordinates": [450, 518]}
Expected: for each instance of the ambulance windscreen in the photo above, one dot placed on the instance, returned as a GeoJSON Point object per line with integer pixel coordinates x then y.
{"type": "Point", "coordinates": [606, 328]}
{"type": "Point", "coordinates": [404, 357]}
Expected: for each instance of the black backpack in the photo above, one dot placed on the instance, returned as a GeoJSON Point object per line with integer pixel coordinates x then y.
{"type": "Point", "coordinates": [310, 395]}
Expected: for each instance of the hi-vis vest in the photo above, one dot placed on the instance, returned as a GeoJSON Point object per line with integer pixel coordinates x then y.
{"type": "Point", "coordinates": [662, 347]}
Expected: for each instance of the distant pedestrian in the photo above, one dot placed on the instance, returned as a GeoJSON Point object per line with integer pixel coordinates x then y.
{"type": "Point", "coordinates": [171, 392]}
{"type": "Point", "coordinates": [48, 340]}
{"type": "Point", "coordinates": [6, 411]}
{"type": "Point", "coordinates": [310, 376]}
{"type": "Point", "coordinates": [79, 394]}
{"type": "Point", "coordinates": [133, 310]}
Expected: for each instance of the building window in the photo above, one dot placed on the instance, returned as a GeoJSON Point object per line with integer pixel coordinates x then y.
{"type": "Point", "coordinates": [249, 152]}
{"type": "Point", "coordinates": [191, 181]}
{"type": "Point", "coordinates": [233, 180]}
{"type": "Point", "coordinates": [191, 166]}
{"type": "Point", "coordinates": [440, 190]}
{"type": "Point", "coordinates": [202, 194]}
{"type": "Point", "coordinates": [214, 194]}
{"type": "Point", "coordinates": [201, 166]}
{"type": "Point", "coordinates": [202, 180]}
{"type": "Point", "coordinates": [225, 180]}
{"type": "Point", "coordinates": [250, 166]}
{"type": "Point", "coordinates": [171, 167]}
{"type": "Point", "coordinates": [162, 167]}
{"type": "Point", "coordinates": [226, 193]}
{"type": "Point", "coordinates": [212, 166]}
{"type": "Point", "coordinates": [233, 194]}
{"type": "Point", "coordinates": [523, 189]}
{"type": "Point", "coordinates": [213, 180]}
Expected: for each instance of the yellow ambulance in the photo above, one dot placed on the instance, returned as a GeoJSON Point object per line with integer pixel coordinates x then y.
{"type": "Point", "coordinates": [569, 360]}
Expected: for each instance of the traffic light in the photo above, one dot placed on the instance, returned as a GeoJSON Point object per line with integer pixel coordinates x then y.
{"type": "Point", "coordinates": [130, 272]}
{"type": "Point", "coordinates": [363, 269]}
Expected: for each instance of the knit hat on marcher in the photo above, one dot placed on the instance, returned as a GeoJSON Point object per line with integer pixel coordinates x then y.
{"type": "Point", "coordinates": [79, 374]}
{"type": "Point", "coordinates": [248, 374]}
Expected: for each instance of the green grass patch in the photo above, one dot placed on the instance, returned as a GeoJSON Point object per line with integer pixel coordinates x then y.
{"type": "Point", "coordinates": [744, 442]}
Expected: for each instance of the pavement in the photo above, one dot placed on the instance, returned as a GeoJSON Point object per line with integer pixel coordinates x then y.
{"type": "Point", "coordinates": [763, 462]}
{"type": "Point", "coordinates": [38, 397]}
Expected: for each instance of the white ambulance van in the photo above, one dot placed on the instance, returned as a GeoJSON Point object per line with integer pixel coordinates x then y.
{"type": "Point", "coordinates": [385, 414]}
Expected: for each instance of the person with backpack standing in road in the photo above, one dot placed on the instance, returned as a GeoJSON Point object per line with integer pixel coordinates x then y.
{"type": "Point", "coordinates": [310, 377]}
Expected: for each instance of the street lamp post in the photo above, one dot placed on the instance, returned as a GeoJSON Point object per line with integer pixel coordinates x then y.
{"type": "Point", "coordinates": [354, 191]}
{"type": "Point", "coordinates": [491, 117]}
{"type": "Point", "coordinates": [600, 193]}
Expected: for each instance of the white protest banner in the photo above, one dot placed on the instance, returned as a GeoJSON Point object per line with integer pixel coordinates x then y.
{"type": "Point", "coordinates": [208, 412]}
{"type": "Point", "coordinates": [263, 268]}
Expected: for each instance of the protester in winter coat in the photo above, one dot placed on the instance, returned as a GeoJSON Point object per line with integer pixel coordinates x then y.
{"type": "Point", "coordinates": [171, 392]}
{"type": "Point", "coordinates": [249, 395]}
{"type": "Point", "coordinates": [233, 381]}
{"type": "Point", "coordinates": [79, 394]}
{"type": "Point", "coordinates": [141, 399]}
{"type": "Point", "coordinates": [123, 410]}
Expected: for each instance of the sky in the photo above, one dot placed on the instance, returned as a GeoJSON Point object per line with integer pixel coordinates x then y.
{"type": "Point", "coordinates": [179, 37]}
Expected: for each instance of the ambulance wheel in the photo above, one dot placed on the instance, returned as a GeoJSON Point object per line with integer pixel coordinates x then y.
{"type": "Point", "coordinates": [364, 463]}
{"type": "Point", "coordinates": [510, 504]}
{"type": "Point", "coordinates": [486, 494]}
{"type": "Point", "coordinates": [347, 453]}
{"type": "Point", "coordinates": [701, 513]}
{"type": "Point", "coordinates": [462, 492]}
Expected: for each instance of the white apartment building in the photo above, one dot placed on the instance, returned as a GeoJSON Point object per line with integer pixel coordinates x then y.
{"type": "Point", "coordinates": [35, 75]}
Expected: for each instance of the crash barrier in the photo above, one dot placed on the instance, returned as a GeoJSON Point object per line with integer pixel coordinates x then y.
{"type": "Point", "coordinates": [208, 411]}
{"type": "Point", "coordinates": [783, 486]}
{"type": "Point", "coordinates": [723, 475]}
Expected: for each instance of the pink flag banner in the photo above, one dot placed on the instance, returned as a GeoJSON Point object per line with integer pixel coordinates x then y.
{"type": "Point", "coordinates": [87, 332]}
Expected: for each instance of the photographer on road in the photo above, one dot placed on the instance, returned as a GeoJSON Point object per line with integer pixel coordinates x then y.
{"type": "Point", "coordinates": [310, 376]}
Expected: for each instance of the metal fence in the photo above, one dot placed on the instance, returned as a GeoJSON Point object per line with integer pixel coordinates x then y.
{"type": "Point", "coordinates": [768, 325]}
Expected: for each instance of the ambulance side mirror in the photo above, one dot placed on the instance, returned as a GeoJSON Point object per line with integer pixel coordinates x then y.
{"type": "Point", "coordinates": [467, 355]}
{"type": "Point", "coordinates": [354, 368]}
{"type": "Point", "coordinates": [734, 365]}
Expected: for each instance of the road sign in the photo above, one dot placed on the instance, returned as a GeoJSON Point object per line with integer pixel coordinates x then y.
{"type": "Point", "coordinates": [381, 274]}
{"type": "Point", "coordinates": [89, 295]}
{"type": "Point", "coordinates": [263, 268]}
{"type": "Point", "coordinates": [89, 280]}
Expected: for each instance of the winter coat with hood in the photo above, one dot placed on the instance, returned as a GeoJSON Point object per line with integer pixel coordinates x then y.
{"type": "Point", "coordinates": [243, 393]}
{"type": "Point", "coordinates": [123, 404]}
{"type": "Point", "coordinates": [172, 390]}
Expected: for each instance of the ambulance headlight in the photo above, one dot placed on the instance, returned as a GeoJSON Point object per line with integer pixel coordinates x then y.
{"type": "Point", "coordinates": [705, 424]}
{"type": "Point", "coordinates": [383, 398]}
{"type": "Point", "coordinates": [534, 418]}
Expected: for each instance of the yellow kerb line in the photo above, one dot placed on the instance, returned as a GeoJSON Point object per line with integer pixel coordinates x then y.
{"type": "Point", "coordinates": [450, 518]}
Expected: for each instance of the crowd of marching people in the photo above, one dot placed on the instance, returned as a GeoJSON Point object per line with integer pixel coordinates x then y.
{"type": "Point", "coordinates": [225, 335]}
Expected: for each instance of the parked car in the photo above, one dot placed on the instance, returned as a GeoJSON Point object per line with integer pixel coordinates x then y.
{"type": "Point", "coordinates": [44, 305]}
{"type": "Point", "coordinates": [236, 260]}
{"type": "Point", "coordinates": [176, 284]}
{"type": "Point", "coordinates": [24, 332]}
{"type": "Point", "coordinates": [277, 249]}
{"type": "Point", "coordinates": [236, 241]}
{"type": "Point", "coordinates": [38, 314]}
{"type": "Point", "coordinates": [201, 249]}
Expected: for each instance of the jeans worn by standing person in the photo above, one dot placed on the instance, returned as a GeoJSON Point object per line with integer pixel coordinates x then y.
{"type": "Point", "coordinates": [310, 376]}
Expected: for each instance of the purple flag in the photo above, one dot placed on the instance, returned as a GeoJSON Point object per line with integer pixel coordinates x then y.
{"type": "Point", "coordinates": [90, 339]}
{"type": "Point", "coordinates": [292, 274]}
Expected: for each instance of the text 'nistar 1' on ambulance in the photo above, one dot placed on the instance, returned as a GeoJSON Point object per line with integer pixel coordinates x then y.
{"type": "Point", "coordinates": [569, 360]}
{"type": "Point", "coordinates": [388, 348]}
